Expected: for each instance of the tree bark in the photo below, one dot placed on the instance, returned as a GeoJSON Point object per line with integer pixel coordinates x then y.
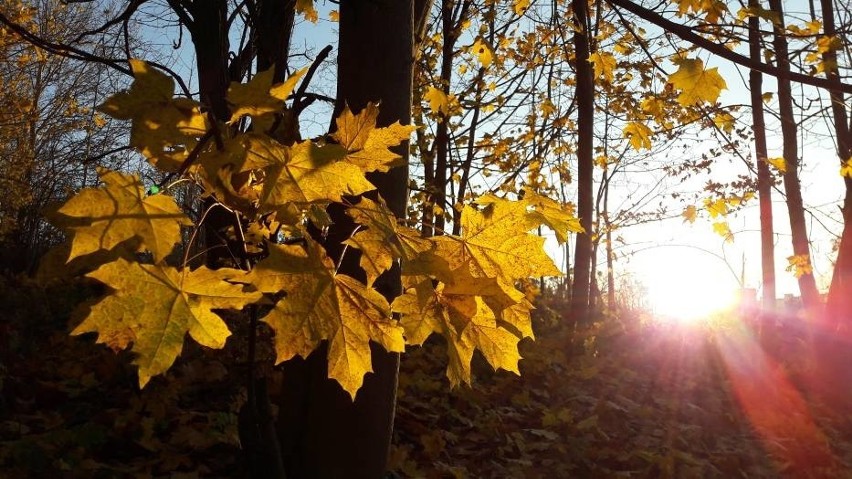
{"type": "Point", "coordinates": [764, 176]}
{"type": "Point", "coordinates": [585, 161]}
{"type": "Point", "coordinates": [839, 305]}
{"type": "Point", "coordinates": [323, 432]}
{"type": "Point", "coordinates": [792, 186]}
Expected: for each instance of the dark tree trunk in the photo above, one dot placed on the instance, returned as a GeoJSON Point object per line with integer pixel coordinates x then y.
{"type": "Point", "coordinates": [839, 305]}
{"type": "Point", "coordinates": [324, 433]}
{"type": "Point", "coordinates": [207, 25]}
{"type": "Point", "coordinates": [585, 161]}
{"type": "Point", "coordinates": [764, 176]}
{"type": "Point", "coordinates": [274, 27]}
{"type": "Point", "coordinates": [792, 186]}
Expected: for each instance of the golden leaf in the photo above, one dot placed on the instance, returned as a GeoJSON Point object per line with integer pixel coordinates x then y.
{"type": "Point", "coordinates": [604, 64]}
{"type": "Point", "coordinates": [259, 96]}
{"type": "Point", "coordinates": [368, 147]}
{"type": "Point", "coordinates": [164, 128]}
{"type": "Point", "coordinates": [458, 310]}
{"type": "Point", "coordinates": [482, 52]}
{"type": "Point", "coordinates": [384, 239]}
{"type": "Point", "coordinates": [495, 243]}
{"type": "Point", "coordinates": [101, 218]}
{"type": "Point", "coordinates": [439, 103]}
{"type": "Point", "coordinates": [846, 168]}
{"type": "Point", "coordinates": [724, 121]}
{"type": "Point", "coordinates": [638, 134]}
{"type": "Point", "coordinates": [717, 207]}
{"type": "Point", "coordinates": [722, 229]}
{"type": "Point", "coordinates": [696, 84]}
{"type": "Point", "coordinates": [306, 8]}
{"type": "Point", "coordinates": [558, 217]}
{"type": "Point", "coordinates": [323, 305]}
{"type": "Point", "coordinates": [778, 163]}
{"type": "Point", "coordinates": [799, 265]}
{"type": "Point", "coordinates": [155, 306]}
{"type": "Point", "coordinates": [689, 214]}
{"type": "Point", "coordinates": [303, 173]}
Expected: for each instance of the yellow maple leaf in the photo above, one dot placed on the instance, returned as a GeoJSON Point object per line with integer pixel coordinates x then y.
{"type": "Point", "coordinates": [154, 307]}
{"type": "Point", "coordinates": [439, 103]}
{"type": "Point", "coordinates": [778, 163]}
{"type": "Point", "coordinates": [369, 147]}
{"type": "Point", "coordinates": [722, 229]}
{"type": "Point", "coordinates": [548, 109]}
{"type": "Point", "coordinates": [639, 135]}
{"type": "Point", "coordinates": [713, 10]}
{"type": "Point", "coordinates": [604, 64]}
{"type": "Point", "coordinates": [323, 305]}
{"type": "Point", "coordinates": [495, 243]}
{"type": "Point", "coordinates": [520, 6]}
{"type": "Point", "coordinates": [813, 27]}
{"type": "Point", "coordinates": [724, 121]}
{"type": "Point", "coordinates": [306, 8]}
{"type": "Point", "coordinates": [482, 51]}
{"type": "Point", "coordinates": [717, 207]}
{"type": "Point", "coordinates": [799, 265]}
{"type": "Point", "coordinates": [696, 84]}
{"type": "Point", "coordinates": [556, 216]}
{"type": "Point", "coordinates": [846, 168]}
{"type": "Point", "coordinates": [658, 109]}
{"type": "Point", "coordinates": [303, 173]}
{"type": "Point", "coordinates": [458, 310]}
{"type": "Point", "coordinates": [164, 128]}
{"type": "Point", "coordinates": [383, 239]}
{"type": "Point", "coordinates": [689, 214]}
{"type": "Point", "coordinates": [102, 218]}
{"type": "Point", "coordinates": [259, 96]}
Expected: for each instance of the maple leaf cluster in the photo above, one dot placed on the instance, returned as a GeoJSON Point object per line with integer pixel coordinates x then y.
{"type": "Point", "coordinates": [125, 235]}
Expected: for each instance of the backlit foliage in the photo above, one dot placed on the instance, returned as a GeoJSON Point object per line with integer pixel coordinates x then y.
{"type": "Point", "coordinates": [463, 287]}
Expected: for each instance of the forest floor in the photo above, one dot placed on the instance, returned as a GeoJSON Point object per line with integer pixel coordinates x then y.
{"type": "Point", "coordinates": [624, 400]}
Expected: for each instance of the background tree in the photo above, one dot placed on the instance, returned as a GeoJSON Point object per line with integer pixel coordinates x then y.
{"type": "Point", "coordinates": [764, 176]}
{"type": "Point", "coordinates": [49, 130]}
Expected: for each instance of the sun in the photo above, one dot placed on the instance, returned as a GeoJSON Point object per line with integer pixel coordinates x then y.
{"type": "Point", "coordinates": [689, 301]}
{"type": "Point", "coordinates": [689, 291]}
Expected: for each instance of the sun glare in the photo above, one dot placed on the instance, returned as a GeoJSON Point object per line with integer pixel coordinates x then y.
{"type": "Point", "coordinates": [690, 295]}
{"type": "Point", "coordinates": [689, 300]}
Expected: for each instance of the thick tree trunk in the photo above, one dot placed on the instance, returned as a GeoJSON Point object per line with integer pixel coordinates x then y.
{"type": "Point", "coordinates": [792, 186]}
{"type": "Point", "coordinates": [839, 305]}
{"type": "Point", "coordinates": [585, 161]}
{"type": "Point", "coordinates": [324, 433]}
{"type": "Point", "coordinates": [764, 176]}
{"type": "Point", "coordinates": [207, 25]}
{"type": "Point", "coordinates": [274, 27]}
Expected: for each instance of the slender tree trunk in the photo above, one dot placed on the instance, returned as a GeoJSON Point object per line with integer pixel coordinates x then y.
{"type": "Point", "coordinates": [585, 160]}
{"type": "Point", "coordinates": [594, 292]}
{"type": "Point", "coordinates": [792, 186]}
{"type": "Point", "coordinates": [438, 188]}
{"type": "Point", "coordinates": [610, 270]}
{"type": "Point", "coordinates": [324, 433]}
{"type": "Point", "coordinates": [764, 176]}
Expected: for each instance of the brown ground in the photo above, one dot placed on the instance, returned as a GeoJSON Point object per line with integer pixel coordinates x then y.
{"type": "Point", "coordinates": [621, 401]}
